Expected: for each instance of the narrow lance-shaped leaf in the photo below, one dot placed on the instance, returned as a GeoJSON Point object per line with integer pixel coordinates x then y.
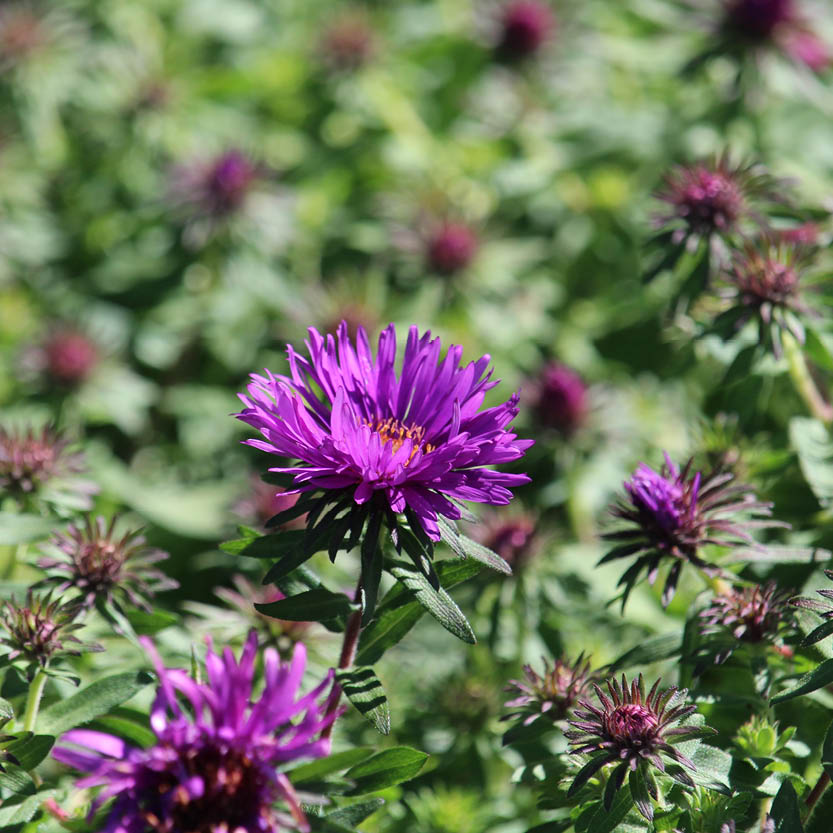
{"type": "Point", "coordinates": [365, 692]}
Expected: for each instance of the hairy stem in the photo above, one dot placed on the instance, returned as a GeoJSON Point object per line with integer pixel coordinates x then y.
{"type": "Point", "coordinates": [30, 716]}
{"type": "Point", "coordinates": [803, 382]}
{"type": "Point", "coordinates": [348, 654]}
{"type": "Point", "coordinates": [816, 793]}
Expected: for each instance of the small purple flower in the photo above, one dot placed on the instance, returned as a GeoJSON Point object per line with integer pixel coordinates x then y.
{"type": "Point", "coordinates": [100, 565]}
{"type": "Point", "coordinates": [216, 764]}
{"type": "Point", "coordinates": [416, 440]}
{"type": "Point", "coordinates": [635, 732]}
{"type": "Point", "coordinates": [755, 615]}
{"type": "Point", "coordinates": [451, 248]}
{"type": "Point", "coordinates": [216, 188]}
{"type": "Point", "coordinates": [348, 43]}
{"type": "Point", "coordinates": [69, 356]}
{"type": "Point", "coordinates": [551, 695]}
{"type": "Point", "coordinates": [560, 399]}
{"type": "Point", "coordinates": [525, 25]}
{"type": "Point", "coordinates": [765, 281]}
{"type": "Point", "coordinates": [672, 513]}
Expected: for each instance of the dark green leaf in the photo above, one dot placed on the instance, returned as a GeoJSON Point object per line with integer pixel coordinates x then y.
{"type": "Point", "coordinates": [365, 692]}
{"type": "Point", "coordinates": [356, 813]}
{"type": "Point", "coordinates": [371, 566]}
{"type": "Point", "coordinates": [385, 769]}
{"type": "Point", "coordinates": [436, 601]}
{"type": "Point", "coordinates": [827, 751]}
{"type": "Point", "coordinates": [29, 750]}
{"type": "Point", "coordinates": [399, 612]}
{"type": "Point", "coordinates": [651, 650]}
{"type": "Point", "coordinates": [6, 711]}
{"type": "Point", "coordinates": [16, 780]}
{"type": "Point", "coordinates": [639, 793]}
{"type": "Point", "coordinates": [325, 766]}
{"type": "Point", "coordinates": [96, 699]}
{"type": "Point", "coordinates": [128, 724]}
{"type": "Point", "coordinates": [466, 548]}
{"type": "Point", "coordinates": [819, 677]}
{"type": "Point", "coordinates": [785, 811]}
{"type": "Point", "coordinates": [19, 529]}
{"type": "Point", "coordinates": [276, 545]}
{"type": "Point", "coordinates": [144, 623]}
{"type": "Point", "coordinates": [811, 441]}
{"type": "Point", "coordinates": [817, 634]}
{"type": "Point", "coordinates": [310, 606]}
{"type": "Point", "coordinates": [23, 811]}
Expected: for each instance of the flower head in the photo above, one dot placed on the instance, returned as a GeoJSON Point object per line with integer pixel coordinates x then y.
{"type": "Point", "coordinates": [524, 27]}
{"type": "Point", "coordinates": [101, 565]}
{"type": "Point", "coordinates": [216, 188]}
{"type": "Point", "coordinates": [41, 631]}
{"type": "Point", "coordinates": [552, 695]}
{"type": "Point", "coordinates": [671, 514]}
{"type": "Point", "coordinates": [348, 43]}
{"type": "Point", "coordinates": [633, 730]}
{"type": "Point", "coordinates": [779, 24]}
{"type": "Point", "coordinates": [69, 356]}
{"type": "Point", "coordinates": [413, 441]}
{"type": "Point", "coordinates": [30, 460]}
{"type": "Point", "coordinates": [560, 399]}
{"type": "Point", "coordinates": [215, 765]}
{"type": "Point", "coordinates": [765, 281]}
{"type": "Point", "coordinates": [511, 536]}
{"type": "Point", "coordinates": [450, 248]}
{"type": "Point", "coordinates": [756, 614]}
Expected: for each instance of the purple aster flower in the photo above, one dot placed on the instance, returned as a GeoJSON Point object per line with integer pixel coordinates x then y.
{"type": "Point", "coordinates": [753, 615]}
{"type": "Point", "coordinates": [69, 356]}
{"type": "Point", "coordinates": [765, 281]}
{"type": "Point", "coordinates": [101, 565]}
{"type": "Point", "coordinates": [414, 442]}
{"type": "Point", "coordinates": [450, 248]}
{"type": "Point", "coordinates": [560, 399]}
{"type": "Point", "coordinates": [525, 25]}
{"type": "Point", "coordinates": [635, 732]}
{"type": "Point", "coordinates": [216, 764]}
{"type": "Point", "coordinates": [671, 514]}
{"type": "Point", "coordinates": [551, 695]}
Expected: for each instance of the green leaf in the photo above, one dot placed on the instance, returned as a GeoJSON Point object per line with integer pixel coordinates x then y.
{"type": "Point", "coordinates": [399, 612]}
{"type": "Point", "coordinates": [785, 811]}
{"type": "Point", "coordinates": [6, 711]}
{"type": "Point", "coordinates": [23, 811]}
{"type": "Point", "coordinates": [16, 780]}
{"type": "Point", "coordinates": [128, 724]}
{"type": "Point", "coordinates": [606, 821]}
{"type": "Point", "coordinates": [310, 606]}
{"type": "Point", "coordinates": [316, 770]}
{"type": "Point", "coordinates": [276, 545]}
{"type": "Point", "coordinates": [385, 769]}
{"type": "Point", "coordinates": [827, 751]}
{"type": "Point", "coordinates": [365, 692]}
{"type": "Point", "coordinates": [639, 793]}
{"type": "Point", "coordinates": [30, 750]}
{"type": "Point", "coordinates": [144, 623]}
{"type": "Point", "coordinates": [811, 441]}
{"type": "Point", "coordinates": [466, 548]}
{"type": "Point", "coordinates": [437, 602]}
{"type": "Point", "coordinates": [96, 699]}
{"type": "Point", "coordinates": [651, 650]}
{"type": "Point", "coordinates": [371, 566]}
{"type": "Point", "coordinates": [19, 529]}
{"type": "Point", "coordinates": [356, 813]}
{"type": "Point", "coordinates": [819, 677]}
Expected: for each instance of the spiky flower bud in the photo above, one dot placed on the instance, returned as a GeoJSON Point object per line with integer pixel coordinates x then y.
{"type": "Point", "coordinates": [101, 565]}
{"type": "Point", "coordinates": [560, 399]}
{"type": "Point", "coordinates": [552, 695]}
{"type": "Point", "coordinates": [754, 615]}
{"type": "Point", "coordinates": [41, 631]}
{"type": "Point", "coordinates": [673, 513]}
{"type": "Point", "coordinates": [451, 248]}
{"type": "Point", "coordinates": [635, 731]}
{"type": "Point", "coordinates": [31, 460]}
{"type": "Point", "coordinates": [525, 25]}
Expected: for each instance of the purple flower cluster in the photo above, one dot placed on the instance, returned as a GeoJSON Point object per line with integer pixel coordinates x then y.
{"type": "Point", "coordinates": [415, 440]}
{"type": "Point", "coordinates": [560, 399]}
{"type": "Point", "coordinates": [216, 764]}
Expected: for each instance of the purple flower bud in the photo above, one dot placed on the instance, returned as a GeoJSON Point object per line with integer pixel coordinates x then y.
{"type": "Point", "coordinates": [451, 248]}
{"type": "Point", "coordinates": [69, 356]}
{"type": "Point", "coordinates": [524, 27]}
{"type": "Point", "coordinates": [560, 399]}
{"type": "Point", "coordinates": [552, 695]}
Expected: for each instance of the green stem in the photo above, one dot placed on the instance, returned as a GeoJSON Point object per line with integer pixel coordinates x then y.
{"type": "Point", "coordinates": [802, 380]}
{"type": "Point", "coordinates": [30, 717]}
{"type": "Point", "coordinates": [16, 555]}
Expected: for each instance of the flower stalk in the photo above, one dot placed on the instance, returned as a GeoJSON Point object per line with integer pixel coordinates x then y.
{"type": "Point", "coordinates": [803, 381]}
{"type": "Point", "coordinates": [30, 716]}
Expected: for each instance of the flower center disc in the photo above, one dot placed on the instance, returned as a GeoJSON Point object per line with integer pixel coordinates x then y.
{"type": "Point", "coordinates": [632, 724]}
{"type": "Point", "coordinates": [392, 431]}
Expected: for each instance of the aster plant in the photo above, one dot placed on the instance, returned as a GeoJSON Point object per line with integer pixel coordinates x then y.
{"type": "Point", "coordinates": [635, 732]}
{"type": "Point", "coordinates": [218, 765]}
{"type": "Point", "coordinates": [672, 514]}
{"type": "Point", "coordinates": [822, 608]}
{"type": "Point", "coordinates": [377, 448]}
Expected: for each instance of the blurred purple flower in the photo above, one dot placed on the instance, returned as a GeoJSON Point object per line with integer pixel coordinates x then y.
{"type": "Point", "coordinates": [215, 765]}
{"type": "Point", "coordinates": [512, 536]}
{"type": "Point", "coordinates": [418, 441]}
{"type": "Point", "coordinates": [672, 513]}
{"type": "Point", "coordinates": [348, 43]}
{"type": "Point", "coordinates": [265, 501]}
{"type": "Point", "coordinates": [633, 731]}
{"type": "Point", "coordinates": [450, 248]}
{"type": "Point", "coordinates": [560, 399]}
{"type": "Point", "coordinates": [524, 27]}
{"type": "Point", "coordinates": [216, 188]}
{"type": "Point", "coordinates": [551, 695]}
{"type": "Point", "coordinates": [69, 356]}
{"type": "Point", "coordinates": [101, 565]}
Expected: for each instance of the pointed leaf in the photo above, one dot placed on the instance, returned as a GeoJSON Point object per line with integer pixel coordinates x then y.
{"type": "Point", "coordinates": [365, 692]}
{"type": "Point", "coordinates": [371, 566]}
{"type": "Point", "coordinates": [356, 813]}
{"type": "Point", "coordinates": [316, 770]}
{"type": "Point", "coordinates": [385, 769]}
{"type": "Point", "coordinates": [785, 811]}
{"type": "Point", "coordinates": [819, 677]}
{"type": "Point", "coordinates": [310, 606]}
{"type": "Point", "coordinates": [466, 548]}
{"type": "Point", "coordinates": [29, 750]}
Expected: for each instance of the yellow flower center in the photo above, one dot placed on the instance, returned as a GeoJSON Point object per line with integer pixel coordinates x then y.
{"type": "Point", "coordinates": [392, 431]}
